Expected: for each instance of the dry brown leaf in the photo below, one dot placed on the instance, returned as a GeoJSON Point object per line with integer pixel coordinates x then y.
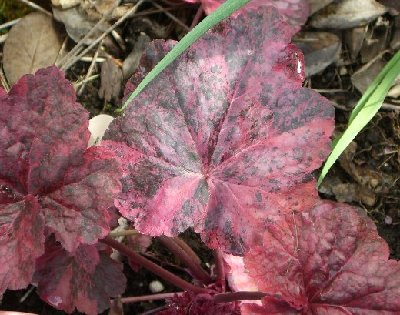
{"type": "Point", "coordinates": [111, 81]}
{"type": "Point", "coordinates": [316, 5]}
{"type": "Point", "coordinates": [97, 9]}
{"type": "Point", "coordinates": [347, 14]}
{"type": "Point", "coordinates": [374, 180]}
{"type": "Point", "coordinates": [33, 43]}
{"type": "Point", "coordinates": [77, 23]}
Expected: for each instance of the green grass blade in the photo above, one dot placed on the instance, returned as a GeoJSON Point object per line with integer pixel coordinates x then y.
{"type": "Point", "coordinates": [365, 110]}
{"type": "Point", "coordinates": [223, 11]}
{"type": "Point", "coordinates": [380, 77]}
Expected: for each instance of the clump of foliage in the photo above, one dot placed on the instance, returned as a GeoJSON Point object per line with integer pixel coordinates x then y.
{"type": "Point", "coordinates": [52, 184]}
{"type": "Point", "coordinates": [225, 140]}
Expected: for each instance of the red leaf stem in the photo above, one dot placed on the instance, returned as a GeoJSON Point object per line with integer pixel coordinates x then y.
{"type": "Point", "coordinates": [187, 249]}
{"type": "Point", "coordinates": [149, 265]}
{"type": "Point", "coordinates": [220, 269]}
{"type": "Point", "coordinates": [238, 296]}
{"type": "Point", "coordinates": [195, 268]}
{"type": "Point", "coordinates": [150, 297]}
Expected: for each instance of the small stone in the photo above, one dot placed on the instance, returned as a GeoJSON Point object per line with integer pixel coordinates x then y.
{"type": "Point", "coordinates": [156, 286]}
{"type": "Point", "coordinates": [388, 220]}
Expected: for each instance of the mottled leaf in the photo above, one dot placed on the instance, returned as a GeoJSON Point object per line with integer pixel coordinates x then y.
{"type": "Point", "coordinates": [21, 239]}
{"type": "Point", "coordinates": [295, 11]}
{"type": "Point", "coordinates": [229, 138]}
{"type": "Point", "coordinates": [85, 280]}
{"type": "Point", "coordinates": [329, 260]}
{"type": "Point", "coordinates": [43, 154]}
{"type": "Point", "coordinates": [77, 211]}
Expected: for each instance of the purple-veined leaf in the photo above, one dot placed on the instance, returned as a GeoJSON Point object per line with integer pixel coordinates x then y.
{"type": "Point", "coordinates": [328, 260]}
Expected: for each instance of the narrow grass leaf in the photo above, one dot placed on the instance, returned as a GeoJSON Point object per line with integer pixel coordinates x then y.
{"type": "Point", "coordinates": [365, 110]}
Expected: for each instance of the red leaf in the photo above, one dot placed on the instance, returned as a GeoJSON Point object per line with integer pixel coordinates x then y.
{"type": "Point", "coordinates": [89, 187]}
{"type": "Point", "coordinates": [43, 154]}
{"type": "Point", "coordinates": [329, 260]}
{"type": "Point", "coordinates": [85, 281]}
{"type": "Point", "coordinates": [295, 11]}
{"type": "Point", "coordinates": [230, 133]}
{"type": "Point", "coordinates": [21, 241]}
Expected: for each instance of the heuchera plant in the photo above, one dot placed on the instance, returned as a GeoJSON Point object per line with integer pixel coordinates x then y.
{"type": "Point", "coordinates": [223, 141]}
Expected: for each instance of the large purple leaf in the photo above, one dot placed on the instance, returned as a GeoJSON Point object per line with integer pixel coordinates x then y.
{"type": "Point", "coordinates": [85, 280]}
{"type": "Point", "coordinates": [224, 136]}
{"type": "Point", "coordinates": [43, 155]}
{"type": "Point", "coordinates": [295, 11]}
{"type": "Point", "coordinates": [21, 240]}
{"type": "Point", "coordinates": [329, 260]}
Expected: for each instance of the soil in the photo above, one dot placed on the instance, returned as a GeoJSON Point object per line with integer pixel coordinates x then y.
{"type": "Point", "coordinates": [376, 154]}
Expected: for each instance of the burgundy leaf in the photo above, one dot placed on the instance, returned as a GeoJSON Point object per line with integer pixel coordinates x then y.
{"type": "Point", "coordinates": [43, 156]}
{"type": "Point", "coordinates": [85, 281]}
{"type": "Point", "coordinates": [77, 212]}
{"type": "Point", "coordinates": [329, 260]}
{"type": "Point", "coordinates": [227, 140]}
{"type": "Point", "coordinates": [21, 240]}
{"type": "Point", "coordinates": [295, 11]}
